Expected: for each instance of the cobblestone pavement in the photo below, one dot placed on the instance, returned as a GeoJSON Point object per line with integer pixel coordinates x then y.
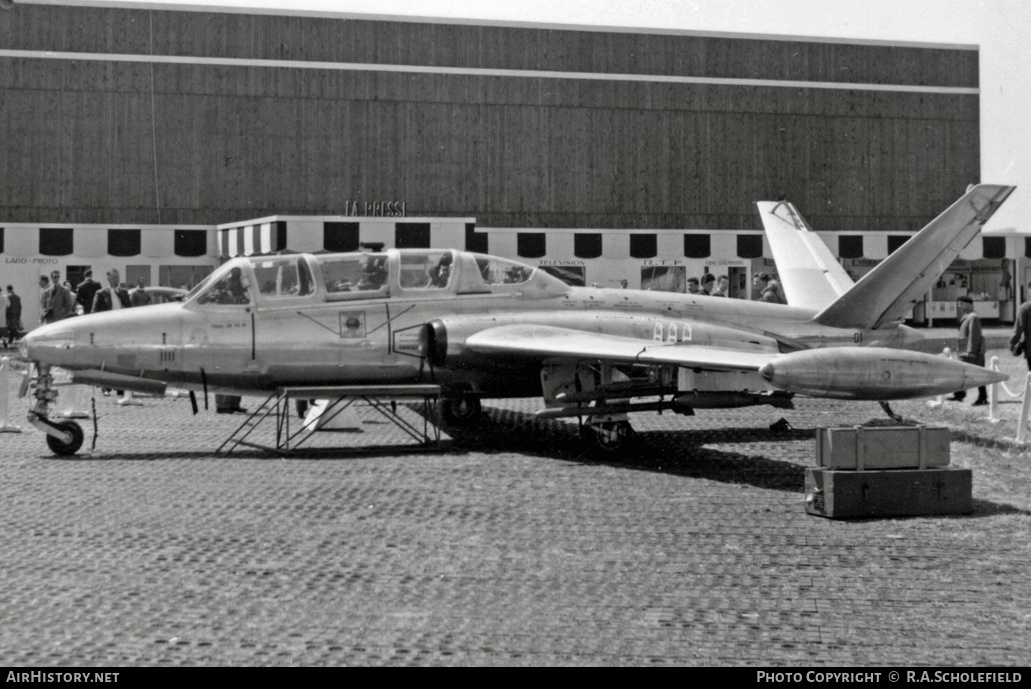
{"type": "Point", "coordinates": [507, 547]}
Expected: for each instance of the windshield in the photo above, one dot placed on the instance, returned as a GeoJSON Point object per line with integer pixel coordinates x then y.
{"type": "Point", "coordinates": [201, 286]}
{"type": "Point", "coordinates": [228, 285]}
{"type": "Point", "coordinates": [501, 271]}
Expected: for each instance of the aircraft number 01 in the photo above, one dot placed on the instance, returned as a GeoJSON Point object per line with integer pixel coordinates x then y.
{"type": "Point", "coordinates": [857, 338]}
{"type": "Point", "coordinates": [668, 331]}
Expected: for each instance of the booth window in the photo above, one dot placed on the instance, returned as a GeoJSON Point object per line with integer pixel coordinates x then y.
{"type": "Point", "coordinates": [749, 245]}
{"type": "Point", "coordinates": [531, 244]}
{"type": "Point", "coordinates": [191, 242]}
{"type": "Point", "coordinates": [475, 241]}
{"type": "Point", "coordinates": [279, 241]}
{"type": "Point", "coordinates": [338, 237]}
{"type": "Point", "coordinates": [697, 245]}
{"type": "Point", "coordinates": [55, 241]}
{"type": "Point", "coordinates": [850, 246]}
{"type": "Point", "coordinates": [123, 242]}
{"type": "Point", "coordinates": [412, 235]}
{"type": "Point", "coordinates": [895, 241]}
{"type": "Point", "coordinates": [587, 245]}
{"type": "Point", "coordinates": [643, 245]}
{"type": "Point", "coordinates": [994, 247]}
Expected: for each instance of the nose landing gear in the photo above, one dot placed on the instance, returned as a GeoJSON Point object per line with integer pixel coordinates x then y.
{"type": "Point", "coordinates": [63, 438]}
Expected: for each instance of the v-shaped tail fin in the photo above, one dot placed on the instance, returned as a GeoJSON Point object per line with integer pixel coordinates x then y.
{"type": "Point", "coordinates": [808, 271]}
{"type": "Point", "coordinates": [888, 293]}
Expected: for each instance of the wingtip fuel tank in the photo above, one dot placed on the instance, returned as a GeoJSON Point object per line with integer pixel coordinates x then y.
{"type": "Point", "coordinates": [873, 373]}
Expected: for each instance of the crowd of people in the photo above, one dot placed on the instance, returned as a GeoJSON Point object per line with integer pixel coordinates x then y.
{"type": "Point", "coordinates": [764, 287]}
{"type": "Point", "coordinates": [60, 299]}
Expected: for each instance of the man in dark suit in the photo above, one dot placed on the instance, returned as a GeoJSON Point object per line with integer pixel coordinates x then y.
{"type": "Point", "coordinates": [970, 346]}
{"type": "Point", "coordinates": [87, 290]}
{"type": "Point", "coordinates": [14, 324]}
{"type": "Point", "coordinates": [62, 303]}
{"type": "Point", "coordinates": [112, 297]}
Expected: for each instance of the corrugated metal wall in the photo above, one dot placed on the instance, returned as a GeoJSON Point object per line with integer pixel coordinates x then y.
{"type": "Point", "coordinates": [234, 141]}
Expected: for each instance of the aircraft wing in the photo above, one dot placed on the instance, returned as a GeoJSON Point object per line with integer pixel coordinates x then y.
{"type": "Point", "coordinates": [546, 341]}
{"type": "Point", "coordinates": [810, 274]}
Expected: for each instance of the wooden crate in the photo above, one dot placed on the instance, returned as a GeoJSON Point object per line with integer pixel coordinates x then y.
{"type": "Point", "coordinates": [882, 447]}
{"type": "Point", "coordinates": [854, 494]}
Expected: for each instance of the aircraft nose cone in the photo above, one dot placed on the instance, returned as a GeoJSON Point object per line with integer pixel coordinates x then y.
{"type": "Point", "coordinates": [49, 344]}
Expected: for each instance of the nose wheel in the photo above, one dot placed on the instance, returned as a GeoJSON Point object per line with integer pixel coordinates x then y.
{"type": "Point", "coordinates": [71, 430]}
{"type": "Point", "coordinates": [63, 437]}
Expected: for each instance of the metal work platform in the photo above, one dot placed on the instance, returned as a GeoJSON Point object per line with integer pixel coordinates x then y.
{"type": "Point", "coordinates": [383, 399]}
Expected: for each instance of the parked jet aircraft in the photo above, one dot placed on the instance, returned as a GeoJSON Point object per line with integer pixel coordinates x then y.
{"type": "Point", "coordinates": [482, 326]}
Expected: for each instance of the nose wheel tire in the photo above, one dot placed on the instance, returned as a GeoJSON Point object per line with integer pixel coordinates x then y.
{"type": "Point", "coordinates": [460, 411]}
{"type": "Point", "coordinates": [71, 447]}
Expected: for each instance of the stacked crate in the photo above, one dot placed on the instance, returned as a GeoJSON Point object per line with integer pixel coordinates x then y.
{"type": "Point", "coordinates": [885, 471]}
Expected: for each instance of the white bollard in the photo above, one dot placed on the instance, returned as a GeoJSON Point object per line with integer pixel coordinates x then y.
{"type": "Point", "coordinates": [993, 394]}
{"type": "Point", "coordinates": [71, 396]}
{"type": "Point", "coordinates": [1025, 406]}
{"type": "Point", "coordinates": [128, 400]}
{"type": "Point", "coordinates": [5, 394]}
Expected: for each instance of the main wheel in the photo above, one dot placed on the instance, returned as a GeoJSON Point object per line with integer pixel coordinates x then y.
{"type": "Point", "coordinates": [612, 436]}
{"type": "Point", "coordinates": [460, 411]}
{"type": "Point", "coordinates": [71, 447]}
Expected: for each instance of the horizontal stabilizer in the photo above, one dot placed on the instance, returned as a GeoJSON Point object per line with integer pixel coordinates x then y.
{"type": "Point", "coordinates": [889, 292]}
{"type": "Point", "coordinates": [811, 276]}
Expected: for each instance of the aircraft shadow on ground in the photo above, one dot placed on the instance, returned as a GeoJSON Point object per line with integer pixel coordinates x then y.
{"type": "Point", "coordinates": [678, 453]}
{"type": "Point", "coordinates": [684, 453]}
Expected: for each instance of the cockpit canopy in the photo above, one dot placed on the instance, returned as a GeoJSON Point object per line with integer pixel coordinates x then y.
{"type": "Point", "coordinates": [411, 273]}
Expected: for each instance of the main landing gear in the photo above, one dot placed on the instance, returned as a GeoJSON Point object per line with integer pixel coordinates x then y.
{"type": "Point", "coordinates": [609, 436]}
{"type": "Point", "coordinates": [64, 438]}
{"type": "Point", "coordinates": [460, 411]}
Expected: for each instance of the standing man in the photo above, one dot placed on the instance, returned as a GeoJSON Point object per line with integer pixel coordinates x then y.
{"type": "Point", "coordinates": [14, 325]}
{"type": "Point", "coordinates": [112, 297]}
{"type": "Point", "coordinates": [4, 325]}
{"type": "Point", "coordinates": [87, 290]}
{"type": "Point", "coordinates": [140, 296]}
{"type": "Point", "coordinates": [765, 288]}
{"type": "Point", "coordinates": [722, 287]}
{"type": "Point", "coordinates": [1022, 330]}
{"type": "Point", "coordinates": [45, 296]}
{"type": "Point", "coordinates": [692, 286]}
{"type": "Point", "coordinates": [708, 281]}
{"type": "Point", "coordinates": [62, 303]}
{"type": "Point", "coordinates": [970, 345]}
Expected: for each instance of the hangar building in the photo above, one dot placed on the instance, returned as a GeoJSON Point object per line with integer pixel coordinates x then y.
{"type": "Point", "coordinates": [599, 153]}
